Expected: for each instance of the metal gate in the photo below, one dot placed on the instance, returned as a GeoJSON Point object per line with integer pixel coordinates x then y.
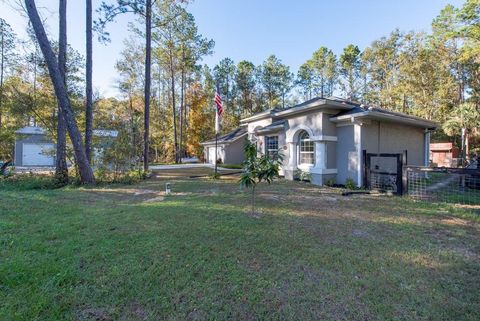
{"type": "Point", "coordinates": [383, 171]}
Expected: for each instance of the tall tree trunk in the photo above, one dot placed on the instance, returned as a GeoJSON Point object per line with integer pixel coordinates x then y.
{"type": "Point", "coordinates": [182, 120]}
{"type": "Point", "coordinates": [185, 119]}
{"type": "Point", "coordinates": [148, 79]}
{"type": "Point", "coordinates": [35, 57]}
{"type": "Point", "coordinates": [175, 144]}
{"type": "Point", "coordinates": [322, 87]}
{"type": "Point", "coordinates": [88, 83]}
{"type": "Point", "coordinates": [133, 154]}
{"type": "Point", "coordinates": [61, 169]}
{"type": "Point", "coordinates": [86, 173]}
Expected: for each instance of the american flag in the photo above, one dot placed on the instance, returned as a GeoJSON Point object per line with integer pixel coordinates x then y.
{"type": "Point", "coordinates": [218, 101]}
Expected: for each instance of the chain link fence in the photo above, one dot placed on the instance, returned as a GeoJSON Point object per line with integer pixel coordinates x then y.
{"type": "Point", "coordinates": [448, 185]}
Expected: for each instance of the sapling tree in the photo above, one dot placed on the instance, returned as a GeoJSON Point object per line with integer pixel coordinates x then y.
{"type": "Point", "coordinates": [258, 168]}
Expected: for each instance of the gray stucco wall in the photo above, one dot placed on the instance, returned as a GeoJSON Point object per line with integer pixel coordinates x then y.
{"type": "Point", "coordinates": [346, 154]}
{"type": "Point", "coordinates": [312, 121]}
{"type": "Point", "coordinates": [282, 147]}
{"type": "Point", "coordinates": [231, 153]}
{"type": "Point", "coordinates": [332, 154]}
{"type": "Point", "coordinates": [258, 124]}
{"type": "Point", "coordinates": [234, 152]}
{"type": "Point", "coordinates": [386, 137]}
{"type": "Point", "coordinates": [21, 139]}
{"type": "Point", "coordinates": [328, 128]}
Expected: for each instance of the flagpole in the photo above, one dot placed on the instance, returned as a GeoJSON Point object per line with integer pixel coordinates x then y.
{"type": "Point", "coordinates": [217, 129]}
{"type": "Point", "coordinates": [216, 155]}
{"type": "Point", "coordinates": [218, 112]}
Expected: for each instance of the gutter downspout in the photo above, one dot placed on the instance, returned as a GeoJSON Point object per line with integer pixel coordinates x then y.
{"type": "Point", "coordinates": [358, 146]}
{"type": "Point", "coordinates": [426, 145]}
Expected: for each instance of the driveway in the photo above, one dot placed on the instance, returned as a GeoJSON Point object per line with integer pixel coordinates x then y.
{"type": "Point", "coordinates": [188, 166]}
{"type": "Point", "coordinates": [191, 171]}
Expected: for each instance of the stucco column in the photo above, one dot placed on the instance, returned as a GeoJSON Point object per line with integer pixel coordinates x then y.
{"type": "Point", "coordinates": [320, 155]}
{"type": "Point", "coordinates": [426, 161]}
{"type": "Point", "coordinates": [292, 162]}
{"type": "Point", "coordinates": [358, 146]}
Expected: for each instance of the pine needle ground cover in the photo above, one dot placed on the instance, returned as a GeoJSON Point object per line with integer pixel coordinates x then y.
{"type": "Point", "coordinates": [133, 253]}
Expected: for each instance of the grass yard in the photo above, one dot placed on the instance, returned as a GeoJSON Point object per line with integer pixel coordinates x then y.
{"type": "Point", "coordinates": [132, 253]}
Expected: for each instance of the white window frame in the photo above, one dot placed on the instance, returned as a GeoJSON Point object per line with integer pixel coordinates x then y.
{"type": "Point", "coordinates": [300, 152]}
{"type": "Point", "coordinates": [268, 150]}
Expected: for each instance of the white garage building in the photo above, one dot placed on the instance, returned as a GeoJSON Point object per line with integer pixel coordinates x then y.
{"type": "Point", "coordinates": [33, 148]}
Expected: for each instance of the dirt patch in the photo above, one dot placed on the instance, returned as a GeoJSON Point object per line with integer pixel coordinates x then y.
{"type": "Point", "coordinates": [360, 234]}
{"type": "Point", "coordinates": [466, 253]}
{"type": "Point", "coordinates": [144, 191]}
{"type": "Point", "coordinates": [271, 197]}
{"type": "Point", "coordinates": [155, 199]}
{"type": "Point", "coordinates": [134, 311]}
{"type": "Point", "coordinates": [455, 221]}
{"type": "Point", "coordinates": [257, 214]}
{"type": "Point", "coordinates": [196, 314]}
{"type": "Point", "coordinates": [94, 314]}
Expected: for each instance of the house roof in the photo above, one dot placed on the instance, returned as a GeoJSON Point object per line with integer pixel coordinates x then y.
{"type": "Point", "coordinates": [31, 130]}
{"type": "Point", "coordinates": [263, 114]}
{"type": "Point", "coordinates": [105, 133]}
{"type": "Point", "coordinates": [333, 103]}
{"type": "Point", "coordinates": [332, 100]}
{"type": "Point", "coordinates": [273, 127]}
{"type": "Point", "coordinates": [382, 114]}
{"type": "Point", "coordinates": [346, 110]}
{"type": "Point", "coordinates": [228, 138]}
{"type": "Point", "coordinates": [435, 147]}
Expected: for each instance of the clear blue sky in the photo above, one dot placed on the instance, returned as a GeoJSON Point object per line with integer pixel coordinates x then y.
{"type": "Point", "coordinates": [254, 29]}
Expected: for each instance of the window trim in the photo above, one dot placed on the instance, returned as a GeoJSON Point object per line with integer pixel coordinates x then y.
{"type": "Point", "coordinates": [302, 134]}
{"type": "Point", "coordinates": [270, 150]}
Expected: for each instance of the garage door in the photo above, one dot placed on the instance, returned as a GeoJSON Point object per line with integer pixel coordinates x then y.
{"type": "Point", "coordinates": [211, 155]}
{"type": "Point", "coordinates": [37, 154]}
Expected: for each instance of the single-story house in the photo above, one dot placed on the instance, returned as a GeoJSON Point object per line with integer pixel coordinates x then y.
{"type": "Point", "coordinates": [327, 137]}
{"type": "Point", "coordinates": [34, 148]}
{"type": "Point", "coordinates": [229, 148]}
{"type": "Point", "coordinates": [444, 155]}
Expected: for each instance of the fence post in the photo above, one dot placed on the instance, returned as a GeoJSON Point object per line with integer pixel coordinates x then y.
{"type": "Point", "coordinates": [366, 165]}
{"type": "Point", "coordinates": [404, 174]}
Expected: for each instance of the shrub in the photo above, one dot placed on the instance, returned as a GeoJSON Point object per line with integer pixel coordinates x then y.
{"type": "Point", "coordinates": [29, 182]}
{"type": "Point", "coordinates": [330, 182]}
{"type": "Point", "coordinates": [350, 183]}
{"type": "Point", "coordinates": [303, 176]}
{"type": "Point", "coordinates": [105, 176]}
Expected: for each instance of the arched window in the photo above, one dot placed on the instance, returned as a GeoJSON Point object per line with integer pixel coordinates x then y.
{"type": "Point", "coordinates": [306, 150]}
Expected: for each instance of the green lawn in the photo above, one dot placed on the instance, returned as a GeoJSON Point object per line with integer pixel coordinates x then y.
{"type": "Point", "coordinates": [131, 253]}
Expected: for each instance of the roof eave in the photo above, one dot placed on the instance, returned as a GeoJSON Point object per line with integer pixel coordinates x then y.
{"type": "Point", "coordinates": [319, 104]}
{"type": "Point", "coordinates": [262, 115]}
{"type": "Point", "coordinates": [396, 118]}
{"type": "Point", "coordinates": [269, 130]}
{"type": "Point", "coordinates": [212, 142]}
